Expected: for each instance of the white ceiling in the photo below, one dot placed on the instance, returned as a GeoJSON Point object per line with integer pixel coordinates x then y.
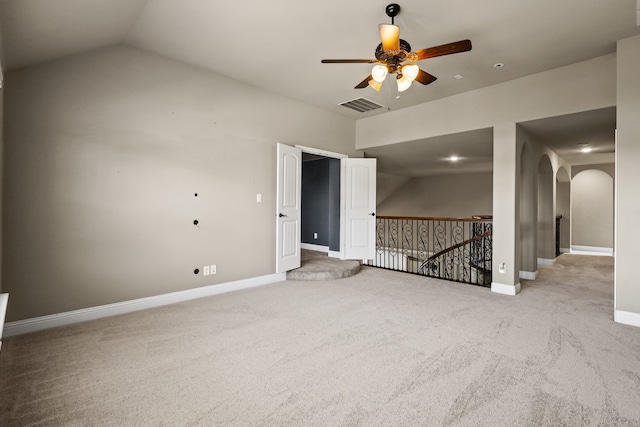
{"type": "Point", "coordinates": [277, 45]}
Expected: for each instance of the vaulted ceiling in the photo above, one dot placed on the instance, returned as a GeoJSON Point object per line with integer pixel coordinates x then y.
{"type": "Point", "coordinates": [277, 45]}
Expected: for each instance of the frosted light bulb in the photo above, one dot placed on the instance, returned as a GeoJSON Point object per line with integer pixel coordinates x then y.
{"type": "Point", "coordinates": [403, 84]}
{"type": "Point", "coordinates": [379, 73]}
{"type": "Point", "coordinates": [410, 71]}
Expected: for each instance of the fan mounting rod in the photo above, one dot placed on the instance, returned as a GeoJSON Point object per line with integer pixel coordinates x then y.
{"type": "Point", "coordinates": [392, 10]}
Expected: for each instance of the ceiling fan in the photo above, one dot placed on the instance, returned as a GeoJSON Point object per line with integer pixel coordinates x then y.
{"type": "Point", "coordinates": [394, 55]}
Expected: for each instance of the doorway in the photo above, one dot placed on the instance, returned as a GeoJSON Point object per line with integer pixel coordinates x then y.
{"type": "Point", "coordinates": [357, 200]}
{"type": "Point", "coordinates": [320, 216]}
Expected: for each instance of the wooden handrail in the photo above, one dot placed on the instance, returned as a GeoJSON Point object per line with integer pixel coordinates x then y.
{"type": "Point", "coordinates": [475, 218]}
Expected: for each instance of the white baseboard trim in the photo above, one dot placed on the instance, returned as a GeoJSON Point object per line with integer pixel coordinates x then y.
{"type": "Point", "coordinates": [627, 318]}
{"type": "Point", "coordinates": [334, 254]}
{"type": "Point", "coordinates": [76, 316]}
{"type": "Point", "coordinates": [546, 261]}
{"type": "Point", "coordinates": [501, 288]}
{"type": "Point", "coordinates": [529, 275]}
{"type": "Point", "coordinates": [312, 247]}
{"type": "Point", "coordinates": [591, 250]}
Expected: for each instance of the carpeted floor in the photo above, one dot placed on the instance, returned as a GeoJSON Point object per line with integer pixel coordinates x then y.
{"type": "Point", "coordinates": [316, 265]}
{"type": "Point", "coordinates": [377, 349]}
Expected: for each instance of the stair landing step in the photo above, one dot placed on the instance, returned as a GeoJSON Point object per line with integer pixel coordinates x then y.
{"type": "Point", "coordinates": [318, 266]}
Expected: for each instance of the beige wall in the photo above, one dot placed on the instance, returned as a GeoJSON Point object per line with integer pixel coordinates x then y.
{"type": "Point", "coordinates": [583, 86]}
{"type": "Point", "coordinates": [627, 287]}
{"type": "Point", "coordinates": [546, 215]}
{"type": "Point", "coordinates": [507, 145]}
{"type": "Point", "coordinates": [387, 185]}
{"type": "Point", "coordinates": [609, 168]}
{"type": "Point", "coordinates": [603, 229]}
{"type": "Point", "coordinates": [104, 153]}
{"type": "Point", "coordinates": [563, 207]}
{"type": "Point", "coordinates": [592, 209]}
{"type": "Point", "coordinates": [528, 208]}
{"type": "Point", "coordinates": [454, 195]}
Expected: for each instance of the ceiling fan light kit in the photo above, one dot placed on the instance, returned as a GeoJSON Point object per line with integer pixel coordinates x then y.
{"type": "Point", "coordinates": [394, 56]}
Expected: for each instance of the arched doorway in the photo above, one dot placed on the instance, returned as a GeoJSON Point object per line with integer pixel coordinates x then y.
{"type": "Point", "coordinates": [592, 212]}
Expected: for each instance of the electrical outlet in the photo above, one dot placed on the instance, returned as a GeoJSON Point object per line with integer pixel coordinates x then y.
{"type": "Point", "coordinates": [213, 269]}
{"type": "Point", "coordinates": [205, 270]}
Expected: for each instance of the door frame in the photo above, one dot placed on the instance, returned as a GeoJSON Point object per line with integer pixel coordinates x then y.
{"type": "Point", "coordinates": [339, 156]}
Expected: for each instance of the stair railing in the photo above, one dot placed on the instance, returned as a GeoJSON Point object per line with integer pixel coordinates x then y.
{"type": "Point", "coordinates": [456, 249]}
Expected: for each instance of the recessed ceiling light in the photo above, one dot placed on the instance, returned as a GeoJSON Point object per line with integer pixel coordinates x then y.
{"type": "Point", "coordinates": [498, 65]}
{"type": "Point", "coordinates": [458, 76]}
{"type": "Point", "coordinates": [584, 148]}
{"type": "Point", "coordinates": [453, 158]}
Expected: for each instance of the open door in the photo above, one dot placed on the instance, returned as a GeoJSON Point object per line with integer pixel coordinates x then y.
{"type": "Point", "coordinates": [288, 210]}
{"type": "Point", "coordinates": [359, 185]}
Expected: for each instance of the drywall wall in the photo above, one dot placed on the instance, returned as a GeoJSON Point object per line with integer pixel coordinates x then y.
{"type": "Point", "coordinates": [387, 184]}
{"type": "Point", "coordinates": [563, 208]}
{"type": "Point", "coordinates": [104, 155]}
{"type": "Point", "coordinates": [320, 222]}
{"type": "Point", "coordinates": [531, 223]}
{"type": "Point", "coordinates": [315, 202]}
{"type": "Point", "coordinates": [609, 168]}
{"type": "Point", "coordinates": [583, 86]}
{"type": "Point", "coordinates": [592, 209]}
{"type": "Point", "coordinates": [627, 288]}
{"type": "Point", "coordinates": [546, 223]}
{"type": "Point", "coordinates": [455, 195]}
{"type": "Point", "coordinates": [507, 146]}
{"type": "Point", "coordinates": [602, 210]}
{"type": "Point", "coordinates": [528, 221]}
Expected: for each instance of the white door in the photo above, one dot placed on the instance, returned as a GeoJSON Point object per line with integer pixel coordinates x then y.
{"type": "Point", "coordinates": [359, 211]}
{"type": "Point", "coordinates": [288, 196]}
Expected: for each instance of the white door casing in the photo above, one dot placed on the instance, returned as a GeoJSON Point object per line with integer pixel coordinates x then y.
{"type": "Point", "coordinates": [359, 208]}
{"type": "Point", "coordinates": [288, 208]}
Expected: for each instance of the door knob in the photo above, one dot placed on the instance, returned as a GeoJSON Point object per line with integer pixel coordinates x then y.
{"type": "Point", "coordinates": [372, 214]}
{"type": "Point", "coordinates": [281, 215]}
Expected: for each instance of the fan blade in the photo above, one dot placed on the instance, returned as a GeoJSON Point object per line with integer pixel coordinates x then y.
{"type": "Point", "coordinates": [390, 36]}
{"type": "Point", "coordinates": [364, 83]}
{"type": "Point", "coordinates": [425, 78]}
{"type": "Point", "coordinates": [445, 49]}
{"type": "Point", "coordinates": [348, 61]}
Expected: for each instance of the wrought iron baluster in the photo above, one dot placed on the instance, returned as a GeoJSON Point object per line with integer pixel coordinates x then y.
{"type": "Point", "coordinates": [456, 249]}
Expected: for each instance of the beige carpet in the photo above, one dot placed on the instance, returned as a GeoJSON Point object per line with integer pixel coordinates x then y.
{"type": "Point", "coordinates": [377, 349]}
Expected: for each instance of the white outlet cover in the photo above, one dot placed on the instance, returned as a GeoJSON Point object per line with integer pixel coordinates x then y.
{"type": "Point", "coordinates": [213, 269]}
{"type": "Point", "coordinates": [205, 270]}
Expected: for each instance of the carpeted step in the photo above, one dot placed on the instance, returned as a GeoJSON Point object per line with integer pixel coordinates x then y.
{"type": "Point", "coordinates": [324, 268]}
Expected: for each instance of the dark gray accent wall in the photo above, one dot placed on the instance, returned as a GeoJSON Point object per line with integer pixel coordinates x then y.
{"type": "Point", "coordinates": [321, 202]}
{"type": "Point", "coordinates": [315, 202]}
